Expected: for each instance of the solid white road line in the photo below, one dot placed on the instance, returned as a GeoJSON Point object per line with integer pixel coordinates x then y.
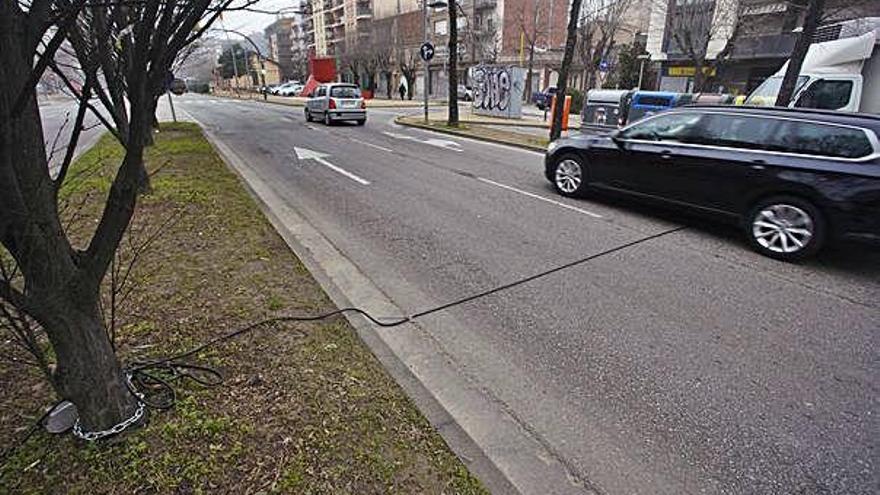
{"type": "Point", "coordinates": [342, 171]}
{"type": "Point", "coordinates": [389, 150]}
{"type": "Point", "coordinates": [538, 197]}
{"type": "Point", "coordinates": [307, 154]}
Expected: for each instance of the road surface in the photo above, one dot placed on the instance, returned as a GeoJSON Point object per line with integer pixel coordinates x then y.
{"type": "Point", "coordinates": [687, 364]}
{"type": "Point", "coordinates": [58, 115]}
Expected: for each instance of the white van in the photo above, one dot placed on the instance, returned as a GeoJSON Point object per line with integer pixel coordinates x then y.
{"type": "Point", "coordinates": [843, 74]}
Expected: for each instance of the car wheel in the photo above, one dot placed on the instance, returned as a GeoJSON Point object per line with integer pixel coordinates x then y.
{"type": "Point", "coordinates": [569, 176]}
{"type": "Point", "coordinates": [786, 228]}
{"type": "Point", "coordinates": [362, 121]}
{"type": "Point", "coordinates": [308, 115]}
{"type": "Point", "coordinates": [327, 120]}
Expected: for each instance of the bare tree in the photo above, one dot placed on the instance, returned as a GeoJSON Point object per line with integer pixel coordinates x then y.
{"type": "Point", "coordinates": [813, 15]}
{"type": "Point", "coordinates": [599, 24]}
{"type": "Point", "coordinates": [124, 51]}
{"type": "Point", "coordinates": [567, 56]}
{"type": "Point", "coordinates": [530, 31]}
{"type": "Point", "coordinates": [487, 43]}
{"type": "Point", "coordinates": [705, 32]}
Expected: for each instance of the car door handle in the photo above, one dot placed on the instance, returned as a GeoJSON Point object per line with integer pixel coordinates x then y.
{"type": "Point", "coordinates": [758, 164]}
{"type": "Point", "coordinates": [665, 155]}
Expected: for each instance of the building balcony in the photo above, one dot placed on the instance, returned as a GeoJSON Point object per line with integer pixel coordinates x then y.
{"type": "Point", "coordinates": [768, 46]}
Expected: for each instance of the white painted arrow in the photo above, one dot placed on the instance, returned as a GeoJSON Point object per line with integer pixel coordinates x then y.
{"type": "Point", "coordinates": [440, 143]}
{"type": "Point", "coordinates": [307, 154]}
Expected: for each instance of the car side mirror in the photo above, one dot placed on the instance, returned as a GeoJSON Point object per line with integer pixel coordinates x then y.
{"type": "Point", "coordinates": [617, 139]}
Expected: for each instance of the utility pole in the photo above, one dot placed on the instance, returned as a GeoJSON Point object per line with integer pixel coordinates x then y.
{"type": "Point", "coordinates": [452, 97]}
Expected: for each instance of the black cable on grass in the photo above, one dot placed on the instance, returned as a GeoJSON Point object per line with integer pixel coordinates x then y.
{"type": "Point", "coordinates": [158, 376]}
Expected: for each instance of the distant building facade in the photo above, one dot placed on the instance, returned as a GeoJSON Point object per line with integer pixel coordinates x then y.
{"type": "Point", "coordinates": [278, 37]}
{"type": "Point", "coordinates": [766, 37]}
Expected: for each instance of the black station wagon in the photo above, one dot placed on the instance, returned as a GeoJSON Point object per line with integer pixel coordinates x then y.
{"type": "Point", "coordinates": [794, 179]}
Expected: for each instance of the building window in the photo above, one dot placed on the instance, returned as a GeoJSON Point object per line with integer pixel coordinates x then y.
{"type": "Point", "coordinates": [441, 27]}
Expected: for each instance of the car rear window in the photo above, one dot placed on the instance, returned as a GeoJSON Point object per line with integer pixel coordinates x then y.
{"type": "Point", "coordinates": [345, 92]}
{"type": "Point", "coordinates": [813, 138]}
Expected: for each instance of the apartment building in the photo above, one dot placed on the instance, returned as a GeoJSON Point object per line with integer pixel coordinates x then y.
{"type": "Point", "coordinates": [331, 25]}
{"type": "Point", "coordinates": [278, 37]}
{"type": "Point", "coordinates": [761, 35]}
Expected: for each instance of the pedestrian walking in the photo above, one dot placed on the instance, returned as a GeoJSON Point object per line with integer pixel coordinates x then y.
{"type": "Point", "coordinates": [402, 90]}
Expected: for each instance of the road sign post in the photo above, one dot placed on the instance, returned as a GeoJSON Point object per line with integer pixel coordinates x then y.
{"type": "Point", "coordinates": [426, 52]}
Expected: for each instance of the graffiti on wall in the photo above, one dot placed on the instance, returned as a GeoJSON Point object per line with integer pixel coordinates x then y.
{"type": "Point", "coordinates": [498, 90]}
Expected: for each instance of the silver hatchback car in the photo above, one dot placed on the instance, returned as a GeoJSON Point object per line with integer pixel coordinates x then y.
{"type": "Point", "coordinates": [336, 101]}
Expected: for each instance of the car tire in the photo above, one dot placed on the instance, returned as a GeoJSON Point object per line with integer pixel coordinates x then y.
{"type": "Point", "coordinates": [362, 122]}
{"type": "Point", "coordinates": [308, 115]}
{"type": "Point", "coordinates": [327, 120]}
{"type": "Point", "coordinates": [569, 176]}
{"type": "Point", "coordinates": [785, 228]}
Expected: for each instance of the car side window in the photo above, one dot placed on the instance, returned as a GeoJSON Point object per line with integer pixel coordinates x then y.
{"type": "Point", "coordinates": [813, 138]}
{"type": "Point", "coordinates": [736, 131]}
{"type": "Point", "coordinates": [322, 90]}
{"type": "Point", "coordinates": [826, 95]}
{"type": "Point", "coordinates": [681, 127]}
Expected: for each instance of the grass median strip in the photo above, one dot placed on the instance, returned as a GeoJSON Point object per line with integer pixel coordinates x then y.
{"type": "Point", "coordinates": [305, 408]}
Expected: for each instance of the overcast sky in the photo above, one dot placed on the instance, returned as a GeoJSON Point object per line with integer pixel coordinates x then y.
{"type": "Point", "coordinates": [248, 22]}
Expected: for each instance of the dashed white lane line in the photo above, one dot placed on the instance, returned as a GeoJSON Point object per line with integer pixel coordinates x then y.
{"type": "Point", "coordinates": [539, 197]}
{"type": "Point", "coordinates": [388, 150]}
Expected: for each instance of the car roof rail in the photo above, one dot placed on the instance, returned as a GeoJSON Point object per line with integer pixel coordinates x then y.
{"type": "Point", "coordinates": [784, 110]}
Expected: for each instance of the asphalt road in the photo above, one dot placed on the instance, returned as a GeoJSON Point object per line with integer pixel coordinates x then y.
{"type": "Point", "coordinates": [687, 364]}
{"type": "Point", "coordinates": [58, 115]}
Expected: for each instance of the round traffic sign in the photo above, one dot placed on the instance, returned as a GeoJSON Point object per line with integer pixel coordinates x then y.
{"type": "Point", "coordinates": [426, 51]}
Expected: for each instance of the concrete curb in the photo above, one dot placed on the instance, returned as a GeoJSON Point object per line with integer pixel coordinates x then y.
{"type": "Point", "coordinates": [495, 446]}
{"type": "Point", "coordinates": [401, 120]}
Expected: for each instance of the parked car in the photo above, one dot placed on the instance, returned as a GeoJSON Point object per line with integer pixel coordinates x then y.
{"type": "Point", "coordinates": [292, 89]}
{"type": "Point", "coordinates": [282, 87]}
{"type": "Point", "coordinates": [465, 93]}
{"type": "Point", "coordinates": [336, 101]}
{"type": "Point", "coordinates": [543, 99]}
{"type": "Point", "coordinates": [793, 179]}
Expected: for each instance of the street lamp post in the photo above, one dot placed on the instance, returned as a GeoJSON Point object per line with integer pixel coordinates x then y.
{"type": "Point", "coordinates": [643, 58]}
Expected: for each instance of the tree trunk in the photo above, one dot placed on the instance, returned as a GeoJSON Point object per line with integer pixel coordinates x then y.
{"type": "Point", "coordinates": [531, 67]}
{"type": "Point", "coordinates": [88, 372]}
{"type": "Point", "coordinates": [815, 10]}
{"type": "Point", "coordinates": [452, 97]}
{"type": "Point", "coordinates": [562, 85]}
{"type": "Point", "coordinates": [699, 77]}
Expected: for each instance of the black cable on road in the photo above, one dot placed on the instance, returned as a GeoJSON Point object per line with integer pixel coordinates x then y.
{"type": "Point", "coordinates": [160, 374]}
